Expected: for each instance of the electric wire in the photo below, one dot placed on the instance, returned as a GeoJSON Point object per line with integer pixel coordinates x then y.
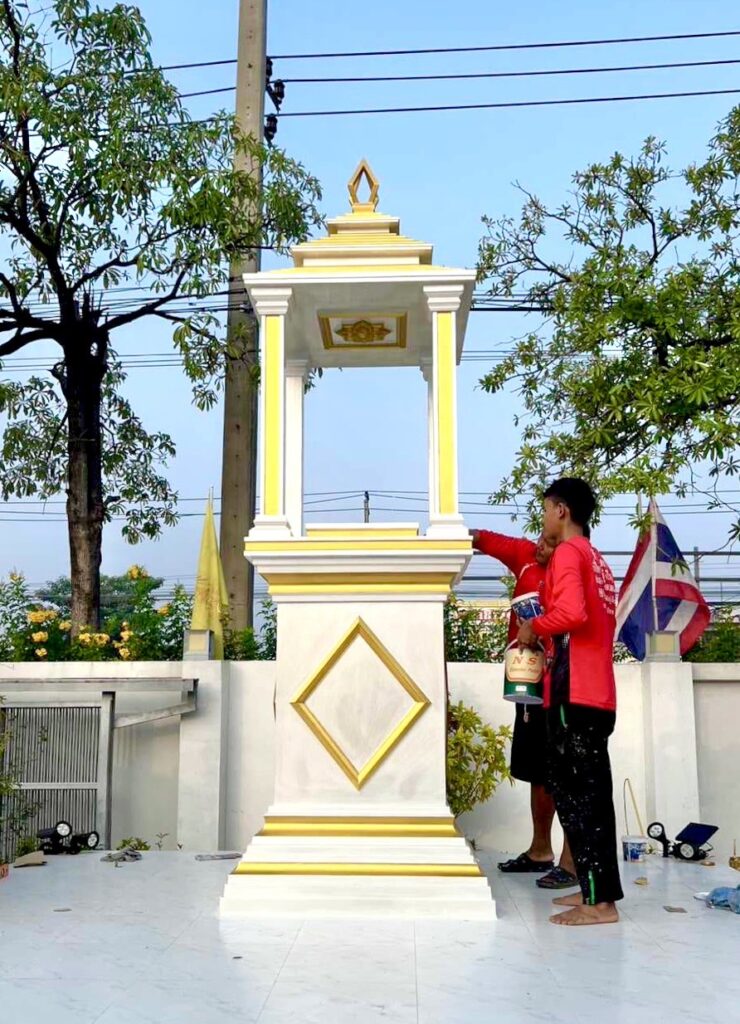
{"type": "Point", "coordinates": [508, 105]}
{"type": "Point", "coordinates": [475, 75]}
{"type": "Point", "coordinates": [499, 47]}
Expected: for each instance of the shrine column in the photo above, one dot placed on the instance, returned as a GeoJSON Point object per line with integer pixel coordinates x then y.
{"type": "Point", "coordinates": [295, 389]}
{"type": "Point", "coordinates": [444, 514]}
{"type": "Point", "coordinates": [427, 371]}
{"type": "Point", "coordinates": [271, 305]}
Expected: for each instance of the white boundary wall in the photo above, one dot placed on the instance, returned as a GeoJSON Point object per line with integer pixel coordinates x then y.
{"type": "Point", "coordinates": [206, 779]}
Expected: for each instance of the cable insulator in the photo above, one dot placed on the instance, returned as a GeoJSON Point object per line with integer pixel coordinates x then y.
{"type": "Point", "coordinates": [271, 127]}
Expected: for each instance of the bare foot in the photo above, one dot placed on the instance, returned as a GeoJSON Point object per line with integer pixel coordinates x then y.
{"type": "Point", "coordinates": [573, 899]}
{"type": "Point", "coordinates": [602, 913]}
{"type": "Point", "coordinates": [4, 871]}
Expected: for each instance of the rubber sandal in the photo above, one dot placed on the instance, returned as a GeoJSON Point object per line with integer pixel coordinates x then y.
{"type": "Point", "coordinates": [557, 878]}
{"type": "Point", "coordinates": [524, 864]}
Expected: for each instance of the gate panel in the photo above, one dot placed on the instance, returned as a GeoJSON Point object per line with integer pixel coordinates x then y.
{"type": "Point", "coordinates": [57, 752]}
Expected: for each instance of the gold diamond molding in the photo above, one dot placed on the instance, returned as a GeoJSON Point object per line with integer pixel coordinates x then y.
{"type": "Point", "coordinates": [359, 776]}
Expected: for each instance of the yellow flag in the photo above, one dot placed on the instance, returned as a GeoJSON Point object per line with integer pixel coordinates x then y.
{"type": "Point", "coordinates": [211, 601]}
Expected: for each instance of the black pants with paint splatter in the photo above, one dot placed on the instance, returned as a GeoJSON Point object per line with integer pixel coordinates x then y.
{"type": "Point", "coordinates": [581, 783]}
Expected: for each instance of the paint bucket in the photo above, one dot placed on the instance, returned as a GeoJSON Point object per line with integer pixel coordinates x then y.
{"type": "Point", "coordinates": [634, 849]}
{"type": "Point", "coordinates": [523, 671]}
{"type": "Point", "coordinates": [526, 606]}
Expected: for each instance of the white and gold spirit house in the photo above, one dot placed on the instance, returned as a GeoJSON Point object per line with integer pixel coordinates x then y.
{"type": "Point", "coordinates": [360, 822]}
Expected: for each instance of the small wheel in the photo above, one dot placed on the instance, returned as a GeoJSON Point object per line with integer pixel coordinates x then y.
{"type": "Point", "coordinates": [656, 830]}
{"type": "Point", "coordinates": [686, 851]}
{"type": "Point", "coordinates": [92, 840]}
{"type": "Point", "coordinates": [63, 829]}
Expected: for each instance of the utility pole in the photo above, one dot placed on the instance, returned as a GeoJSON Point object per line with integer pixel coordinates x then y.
{"type": "Point", "coordinates": [366, 507]}
{"type": "Point", "coordinates": [238, 472]}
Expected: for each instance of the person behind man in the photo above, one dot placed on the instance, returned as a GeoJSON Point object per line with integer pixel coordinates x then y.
{"type": "Point", "coordinates": [527, 561]}
{"type": "Point", "coordinates": [580, 698]}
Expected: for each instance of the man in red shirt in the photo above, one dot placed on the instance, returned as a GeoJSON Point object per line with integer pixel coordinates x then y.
{"type": "Point", "coordinates": [580, 698]}
{"type": "Point", "coordinates": [527, 562]}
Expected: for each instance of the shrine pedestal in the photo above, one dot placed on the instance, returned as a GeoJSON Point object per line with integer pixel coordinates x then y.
{"type": "Point", "coordinates": [360, 822]}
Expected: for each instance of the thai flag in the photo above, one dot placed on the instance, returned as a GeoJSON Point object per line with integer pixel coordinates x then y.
{"type": "Point", "coordinates": [659, 592]}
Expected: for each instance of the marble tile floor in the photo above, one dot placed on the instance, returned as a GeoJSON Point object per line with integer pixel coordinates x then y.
{"type": "Point", "coordinates": [82, 941]}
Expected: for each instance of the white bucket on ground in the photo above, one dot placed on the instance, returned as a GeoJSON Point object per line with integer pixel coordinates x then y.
{"type": "Point", "coordinates": [634, 849]}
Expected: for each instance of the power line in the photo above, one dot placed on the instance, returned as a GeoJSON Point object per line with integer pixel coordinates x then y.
{"type": "Point", "coordinates": [502, 46]}
{"type": "Point", "coordinates": [509, 105]}
{"type": "Point", "coordinates": [448, 49]}
{"type": "Point", "coordinates": [491, 74]}
{"type": "Point", "coordinates": [466, 76]}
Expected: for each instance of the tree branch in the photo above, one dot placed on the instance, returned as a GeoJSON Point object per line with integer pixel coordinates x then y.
{"type": "Point", "coordinates": [117, 262]}
{"type": "Point", "coordinates": [21, 340]}
{"type": "Point", "coordinates": [149, 308]}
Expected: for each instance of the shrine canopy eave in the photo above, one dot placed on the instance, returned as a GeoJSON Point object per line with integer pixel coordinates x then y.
{"type": "Point", "coordinates": [321, 299]}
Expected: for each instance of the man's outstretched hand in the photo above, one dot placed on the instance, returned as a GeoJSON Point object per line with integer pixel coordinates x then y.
{"type": "Point", "coordinates": [526, 637]}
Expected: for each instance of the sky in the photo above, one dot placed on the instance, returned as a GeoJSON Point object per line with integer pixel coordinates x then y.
{"type": "Point", "coordinates": [440, 172]}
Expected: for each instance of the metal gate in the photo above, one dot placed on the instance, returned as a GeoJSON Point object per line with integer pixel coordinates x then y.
{"type": "Point", "coordinates": [60, 755]}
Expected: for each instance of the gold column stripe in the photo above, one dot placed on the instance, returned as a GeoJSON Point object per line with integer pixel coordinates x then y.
{"type": "Point", "coordinates": [272, 449]}
{"type": "Point", "coordinates": [445, 368]}
{"type": "Point", "coordinates": [337, 868]}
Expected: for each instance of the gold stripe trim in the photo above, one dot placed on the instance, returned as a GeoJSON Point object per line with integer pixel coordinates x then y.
{"type": "Point", "coordinates": [355, 534]}
{"type": "Point", "coordinates": [406, 870]}
{"type": "Point", "coordinates": [364, 544]}
{"type": "Point", "coordinates": [306, 819]}
{"type": "Point", "coordinates": [274, 828]}
{"type": "Point", "coordinates": [358, 578]}
{"type": "Point", "coordinates": [286, 590]}
{"type": "Point", "coordinates": [352, 583]}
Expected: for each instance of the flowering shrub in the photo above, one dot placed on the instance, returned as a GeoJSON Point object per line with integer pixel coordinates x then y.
{"type": "Point", "coordinates": [143, 631]}
{"type": "Point", "coordinates": [29, 632]}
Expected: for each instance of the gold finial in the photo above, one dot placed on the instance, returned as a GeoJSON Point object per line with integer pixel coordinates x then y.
{"type": "Point", "coordinates": [369, 205]}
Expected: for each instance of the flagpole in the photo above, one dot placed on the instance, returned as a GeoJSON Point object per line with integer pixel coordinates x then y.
{"type": "Point", "coordinates": [654, 549]}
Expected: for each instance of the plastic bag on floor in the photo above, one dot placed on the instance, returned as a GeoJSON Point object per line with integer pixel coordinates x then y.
{"type": "Point", "coordinates": [726, 898]}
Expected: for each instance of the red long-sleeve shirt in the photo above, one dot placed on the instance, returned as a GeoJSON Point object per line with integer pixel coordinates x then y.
{"type": "Point", "coordinates": [580, 599]}
{"type": "Point", "coordinates": [518, 555]}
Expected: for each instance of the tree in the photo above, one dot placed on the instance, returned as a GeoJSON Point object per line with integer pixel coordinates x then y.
{"type": "Point", "coordinates": [118, 594]}
{"type": "Point", "coordinates": [632, 378]}
{"type": "Point", "coordinates": [117, 207]}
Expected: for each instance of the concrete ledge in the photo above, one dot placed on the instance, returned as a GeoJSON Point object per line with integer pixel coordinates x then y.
{"type": "Point", "coordinates": [708, 672]}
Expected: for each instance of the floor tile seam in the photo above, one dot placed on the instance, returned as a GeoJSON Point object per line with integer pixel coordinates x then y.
{"type": "Point", "coordinates": [416, 973]}
{"type": "Point", "coordinates": [159, 953]}
{"type": "Point", "coordinates": [279, 972]}
{"type": "Point", "coordinates": [536, 944]}
{"type": "Point", "coordinates": [198, 915]}
{"type": "Point", "coordinates": [107, 1007]}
